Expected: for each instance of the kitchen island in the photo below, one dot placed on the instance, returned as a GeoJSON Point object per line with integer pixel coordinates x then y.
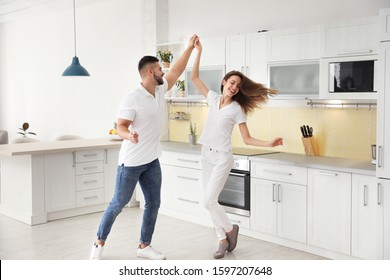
{"type": "Point", "coordinates": [43, 181]}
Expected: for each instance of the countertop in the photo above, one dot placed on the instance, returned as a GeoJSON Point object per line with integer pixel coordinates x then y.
{"type": "Point", "coordinates": [330, 163]}
{"type": "Point", "coordinates": [56, 146]}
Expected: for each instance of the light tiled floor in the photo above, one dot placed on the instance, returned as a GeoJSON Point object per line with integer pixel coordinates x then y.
{"type": "Point", "coordinates": [71, 239]}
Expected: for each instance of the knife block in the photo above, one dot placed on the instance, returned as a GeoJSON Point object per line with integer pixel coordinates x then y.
{"type": "Point", "coordinates": [310, 145]}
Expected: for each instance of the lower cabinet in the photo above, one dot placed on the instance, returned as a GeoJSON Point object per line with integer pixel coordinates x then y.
{"type": "Point", "coordinates": [367, 218]}
{"type": "Point", "coordinates": [279, 207]}
{"type": "Point", "coordinates": [79, 179]}
{"type": "Point", "coordinates": [329, 210]}
{"type": "Point", "coordinates": [384, 186]}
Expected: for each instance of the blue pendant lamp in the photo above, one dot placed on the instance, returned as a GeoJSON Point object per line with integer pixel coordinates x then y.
{"type": "Point", "coordinates": [75, 69]}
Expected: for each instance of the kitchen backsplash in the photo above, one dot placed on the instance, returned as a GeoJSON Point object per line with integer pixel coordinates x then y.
{"type": "Point", "coordinates": [340, 132]}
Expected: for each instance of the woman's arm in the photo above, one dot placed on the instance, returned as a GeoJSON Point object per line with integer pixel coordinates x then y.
{"type": "Point", "coordinates": [202, 88]}
{"type": "Point", "coordinates": [249, 140]}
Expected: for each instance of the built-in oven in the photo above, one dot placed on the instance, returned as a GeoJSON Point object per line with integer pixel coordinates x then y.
{"type": "Point", "coordinates": [235, 195]}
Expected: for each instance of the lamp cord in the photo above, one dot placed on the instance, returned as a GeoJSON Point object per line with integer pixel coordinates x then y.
{"type": "Point", "coordinates": [74, 26]}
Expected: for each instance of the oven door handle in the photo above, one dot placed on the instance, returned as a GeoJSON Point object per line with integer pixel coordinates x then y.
{"type": "Point", "coordinates": [238, 174]}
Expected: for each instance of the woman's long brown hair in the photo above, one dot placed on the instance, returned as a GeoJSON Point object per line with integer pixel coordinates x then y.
{"type": "Point", "coordinates": [251, 94]}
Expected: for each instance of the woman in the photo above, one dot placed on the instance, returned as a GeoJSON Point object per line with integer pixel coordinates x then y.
{"type": "Point", "coordinates": [239, 97]}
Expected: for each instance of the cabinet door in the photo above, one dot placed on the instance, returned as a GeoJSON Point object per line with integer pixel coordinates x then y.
{"type": "Point", "coordinates": [213, 52]}
{"type": "Point", "coordinates": [366, 218]}
{"type": "Point", "coordinates": [329, 210]}
{"type": "Point", "coordinates": [110, 171]}
{"type": "Point", "coordinates": [293, 44]}
{"type": "Point", "coordinates": [350, 38]}
{"type": "Point", "coordinates": [256, 57]}
{"type": "Point", "coordinates": [235, 53]}
{"type": "Point", "coordinates": [384, 17]}
{"type": "Point", "coordinates": [60, 182]}
{"type": "Point", "coordinates": [263, 205]}
{"type": "Point", "coordinates": [383, 114]}
{"type": "Point", "coordinates": [385, 192]}
{"type": "Point", "coordinates": [291, 209]}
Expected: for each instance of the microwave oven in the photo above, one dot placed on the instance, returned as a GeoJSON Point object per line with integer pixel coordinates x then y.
{"type": "Point", "coordinates": [350, 77]}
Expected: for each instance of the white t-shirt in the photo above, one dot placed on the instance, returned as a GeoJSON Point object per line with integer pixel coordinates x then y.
{"type": "Point", "coordinates": [217, 132]}
{"type": "Point", "coordinates": [148, 116]}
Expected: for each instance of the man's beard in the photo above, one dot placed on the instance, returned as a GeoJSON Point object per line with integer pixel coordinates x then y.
{"type": "Point", "coordinates": [158, 79]}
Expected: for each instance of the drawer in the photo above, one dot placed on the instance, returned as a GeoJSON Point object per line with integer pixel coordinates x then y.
{"type": "Point", "coordinates": [186, 160]}
{"type": "Point", "coordinates": [279, 172]}
{"type": "Point", "coordinates": [89, 167]}
{"type": "Point", "coordinates": [89, 182]}
{"type": "Point", "coordinates": [92, 155]}
{"type": "Point", "coordinates": [166, 158]}
{"type": "Point", "coordinates": [89, 197]}
{"type": "Point", "coordinates": [187, 201]}
{"type": "Point", "coordinates": [186, 178]}
{"type": "Point", "coordinates": [241, 221]}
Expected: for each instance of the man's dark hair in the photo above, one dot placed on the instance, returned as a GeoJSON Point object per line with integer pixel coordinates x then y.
{"type": "Point", "coordinates": [146, 60]}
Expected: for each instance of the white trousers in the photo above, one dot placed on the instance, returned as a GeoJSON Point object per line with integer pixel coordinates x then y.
{"type": "Point", "coordinates": [216, 166]}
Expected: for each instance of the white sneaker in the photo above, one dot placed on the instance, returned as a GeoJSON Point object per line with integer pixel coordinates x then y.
{"type": "Point", "coordinates": [96, 252]}
{"type": "Point", "coordinates": [149, 253]}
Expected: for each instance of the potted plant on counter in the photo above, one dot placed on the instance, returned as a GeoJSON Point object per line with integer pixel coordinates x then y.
{"type": "Point", "coordinates": [192, 135]}
{"type": "Point", "coordinates": [181, 88]}
{"type": "Point", "coordinates": [166, 57]}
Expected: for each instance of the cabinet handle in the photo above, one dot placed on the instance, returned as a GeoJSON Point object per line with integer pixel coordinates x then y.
{"type": "Point", "coordinates": [90, 197]}
{"type": "Point", "coordinates": [379, 156]}
{"type": "Point", "coordinates": [379, 190]}
{"type": "Point", "coordinates": [187, 178]}
{"type": "Point", "coordinates": [328, 173]}
{"type": "Point", "coordinates": [236, 221]}
{"type": "Point", "coordinates": [273, 192]}
{"type": "Point", "coordinates": [277, 172]}
{"type": "Point", "coordinates": [89, 155]}
{"type": "Point", "coordinates": [90, 181]}
{"type": "Point", "coordinates": [90, 167]}
{"type": "Point", "coordinates": [187, 200]}
{"type": "Point", "coordinates": [355, 52]}
{"type": "Point", "coordinates": [187, 160]}
{"type": "Point", "coordinates": [74, 159]}
{"type": "Point", "coordinates": [105, 156]}
{"type": "Point", "coordinates": [365, 195]}
{"type": "Point", "coordinates": [279, 193]}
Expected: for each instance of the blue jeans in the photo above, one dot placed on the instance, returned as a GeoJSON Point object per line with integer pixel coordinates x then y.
{"type": "Point", "coordinates": [149, 178]}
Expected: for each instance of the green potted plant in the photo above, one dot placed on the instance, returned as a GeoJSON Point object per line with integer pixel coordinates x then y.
{"type": "Point", "coordinates": [181, 87]}
{"type": "Point", "coordinates": [166, 57]}
{"type": "Point", "coordinates": [192, 135]}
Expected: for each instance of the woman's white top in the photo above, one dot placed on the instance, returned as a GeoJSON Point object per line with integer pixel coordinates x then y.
{"type": "Point", "coordinates": [147, 112]}
{"type": "Point", "coordinates": [218, 129]}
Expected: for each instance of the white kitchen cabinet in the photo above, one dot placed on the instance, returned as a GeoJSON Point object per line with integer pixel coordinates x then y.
{"type": "Point", "coordinates": [350, 38]}
{"type": "Point", "coordinates": [293, 44]}
{"type": "Point", "coordinates": [384, 21]}
{"type": "Point", "coordinates": [384, 186]}
{"type": "Point", "coordinates": [213, 52]}
{"type": "Point", "coordinates": [110, 171]}
{"type": "Point", "coordinates": [60, 182]}
{"type": "Point", "coordinates": [383, 112]}
{"type": "Point", "coordinates": [367, 218]}
{"type": "Point", "coordinates": [329, 210]}
{"type": "Point", "coordinates": [248, 54]}
{"type": "Point", "coordinates": [278, 205]}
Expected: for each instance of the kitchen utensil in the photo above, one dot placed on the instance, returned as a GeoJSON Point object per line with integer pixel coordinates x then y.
{"type": "Point", "coordinates": [303, 131]}
{"type": "Point", "coordinates": [310, 130]}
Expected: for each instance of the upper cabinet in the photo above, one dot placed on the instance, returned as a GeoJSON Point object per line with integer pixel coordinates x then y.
{"type": "Point", "coordinates": [350, 38]}
{"type": "Point", "coordinates": [293, 44]}
{"type": "Point", "coordinates": [384, 15]}
{"type": "Point", "coordinates": [213, 52]}
{"type": "Point", "coordinates": [248, 54]}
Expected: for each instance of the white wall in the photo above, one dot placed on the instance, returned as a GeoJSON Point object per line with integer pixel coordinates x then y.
{"type": "Point", "coordinates": [210, 18]}
{"type": "Point", "coordinates": [35, 51]}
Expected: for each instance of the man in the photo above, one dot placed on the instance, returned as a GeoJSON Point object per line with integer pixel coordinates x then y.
{"type": "Point", "coordinates": [140, 121]}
